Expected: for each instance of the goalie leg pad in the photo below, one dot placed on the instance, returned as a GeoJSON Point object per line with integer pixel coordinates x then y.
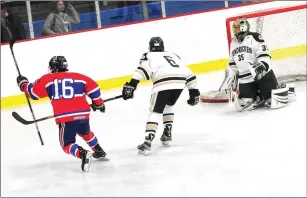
{"type": "Point", "coordinates": [230, 80]}
{"type": "Point", "coordinates": [291, 92]}
{"type": "Point", "coordinates": [279, 97]}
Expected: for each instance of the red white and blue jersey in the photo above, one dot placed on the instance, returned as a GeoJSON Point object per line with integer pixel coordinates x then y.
{"type": "Point", "coordinates": [67, 92]}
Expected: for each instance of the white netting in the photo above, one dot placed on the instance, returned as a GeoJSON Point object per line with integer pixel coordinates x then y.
{"type": "Point", "coordinates": [285, 35]}
{"type": "Point", "coordinates": [284, 31]}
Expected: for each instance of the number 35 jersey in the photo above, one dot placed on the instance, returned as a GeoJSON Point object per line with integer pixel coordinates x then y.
{"type": "Point", "coordinates": [67, 92]}
{"type": "Point", "coordinates": [242, 54]}
{"type": "Point", "coordinates": [166, 71]}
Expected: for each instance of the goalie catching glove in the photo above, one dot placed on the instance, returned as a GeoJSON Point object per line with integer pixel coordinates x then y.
{"type": "Point", "coordinates": [194, 97]}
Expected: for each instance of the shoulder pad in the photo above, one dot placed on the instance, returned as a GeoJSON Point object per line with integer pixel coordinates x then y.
{"type": "Point", "coordinates": [256, 36]}
{"type": "Point", "coordinates": [144, 57]}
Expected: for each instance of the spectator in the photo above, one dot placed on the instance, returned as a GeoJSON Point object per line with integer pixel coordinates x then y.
{"type": "Point", "coordinates": [11, 21]}
{"type": "Point", "coordinates": [61, 20]}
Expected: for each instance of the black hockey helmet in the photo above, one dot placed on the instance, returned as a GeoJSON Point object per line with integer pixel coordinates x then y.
{"type": "Point", "coordinates": [156, 44]}
{"type": "Point", "coordinates": [58, 64]}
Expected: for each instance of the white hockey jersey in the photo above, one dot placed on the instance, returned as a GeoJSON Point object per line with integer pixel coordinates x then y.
{"type": "Point", "coordinates": [242, 54]}
{"type": "Point", "coordinates": [166, 71]}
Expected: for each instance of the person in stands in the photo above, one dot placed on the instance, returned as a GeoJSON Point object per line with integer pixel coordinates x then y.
{"type": "Point", "coordinates": [61, 20]}
{"type": "Point", "coordinates": [12, 22]}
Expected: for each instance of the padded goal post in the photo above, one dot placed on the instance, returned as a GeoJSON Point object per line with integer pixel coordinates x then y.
{"type": "Point", "coordinates": [284, 31]}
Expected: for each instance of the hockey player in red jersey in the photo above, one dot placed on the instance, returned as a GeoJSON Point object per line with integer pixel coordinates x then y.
{"type": "Point", "coordinates": [67, 92]}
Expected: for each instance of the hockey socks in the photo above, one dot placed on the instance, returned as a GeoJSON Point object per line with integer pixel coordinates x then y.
{"type": "Point", "coordinates": [73, 149]}
{"type": "Point", "coordinates": [90, 139]}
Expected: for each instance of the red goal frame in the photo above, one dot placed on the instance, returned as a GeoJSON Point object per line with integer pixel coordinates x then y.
{"type": "Point", "coordinates": [220, 99]}
{"type": "Point", "coordinates": [258, 14]}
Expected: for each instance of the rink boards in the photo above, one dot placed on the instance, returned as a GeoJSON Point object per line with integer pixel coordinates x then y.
{"type": "Point", "coordinates": [110, 58]}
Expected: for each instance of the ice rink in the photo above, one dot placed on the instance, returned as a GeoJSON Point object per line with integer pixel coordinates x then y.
{"type": "Point", "coordinates": [215, 151]}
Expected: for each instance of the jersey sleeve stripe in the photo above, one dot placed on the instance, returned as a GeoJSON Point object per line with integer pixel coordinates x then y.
{"type": "Point", "coordinates": [95, 94]}
{"type": "Point", "coordinates": [191, 84]}
{"type": "Point", "coordinates": [31, 92]}
{"type": "Point", "coordinates": [144, 72]}
{"type": "Point", "coordinates": [141, 73]}
{"type": "Point", "coordinates": [93, 90]}
{"type": "Point", "coordinates": [263, 55]}
{"type": "Point", "coordinates": [191, 79]}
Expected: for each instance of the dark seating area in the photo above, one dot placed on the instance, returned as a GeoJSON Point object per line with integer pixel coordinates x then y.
{"type": "Point", "coordinates": [112, 12]}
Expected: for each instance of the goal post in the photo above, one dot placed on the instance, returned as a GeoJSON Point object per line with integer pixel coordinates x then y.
{"type": "Point", "coordinates": [284, 31]}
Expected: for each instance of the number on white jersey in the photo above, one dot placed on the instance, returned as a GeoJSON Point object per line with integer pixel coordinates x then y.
{"type": "Point", "coordinates": [171, 61]}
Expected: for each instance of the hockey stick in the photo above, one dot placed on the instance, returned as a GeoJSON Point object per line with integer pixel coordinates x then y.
{"type": "Point", "coordinates": [26, 122]}
{"type": "Point", "coordinates": [12, 41]}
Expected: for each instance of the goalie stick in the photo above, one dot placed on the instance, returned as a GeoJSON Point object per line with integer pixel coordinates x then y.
{"type": "Point", "coordinates": [27, 122]}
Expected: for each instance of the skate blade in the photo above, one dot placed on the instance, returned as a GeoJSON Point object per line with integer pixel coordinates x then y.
{"type": "Point", "coordinates": [87, 166]}
{"type": "Point", "coordinates": [103, 159]}
{"type": "Point", "coordinates": [144, 153]}
{"type": "Point", "coordinates": [165, 143]}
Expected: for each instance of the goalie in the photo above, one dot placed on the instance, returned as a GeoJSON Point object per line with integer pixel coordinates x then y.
{"type": "Point", "coordinates": [249, 69]}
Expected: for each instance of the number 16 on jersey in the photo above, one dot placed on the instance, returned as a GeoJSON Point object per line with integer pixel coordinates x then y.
{"type": "Point", "coordinates": [63, 89]}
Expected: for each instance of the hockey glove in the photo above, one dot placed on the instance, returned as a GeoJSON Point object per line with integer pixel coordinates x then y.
{"type": "Point", "coordinates": [259, 69]}
{"type": "Point", "coordinates": [129, 89]}
{"type": "Point", "coordinates": [101, 107]}
{"type": "Point", "coordinates": [194, 97]}
{"type": "Point", "coordinates": [21, 81]}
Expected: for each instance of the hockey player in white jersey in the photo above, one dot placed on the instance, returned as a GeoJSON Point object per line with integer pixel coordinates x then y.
{"type": "Point", "coordinates": [250, 62]}
{"type": "Point", "coordinates": [169, 76]}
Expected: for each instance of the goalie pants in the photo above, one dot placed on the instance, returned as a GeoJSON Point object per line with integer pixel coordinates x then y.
{"type": "Point", "coordinates": [265, 85]}
{"type": "Point", "coordinates": [68, 132]}
{"type": "Point", "coordinates": [159, 100]}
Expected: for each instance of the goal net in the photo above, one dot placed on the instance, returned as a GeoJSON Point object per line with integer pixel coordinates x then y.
{"type": "Point", "coordinates": [284, 31]}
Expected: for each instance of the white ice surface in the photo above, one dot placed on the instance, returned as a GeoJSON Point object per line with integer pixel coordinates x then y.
{"type": "Point", "coordinates": [215, 151]}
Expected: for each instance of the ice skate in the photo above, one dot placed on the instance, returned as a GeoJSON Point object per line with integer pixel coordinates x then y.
{"type": "Point", "coordinates": [166, 137]}
{"type": "Point", "coordinates": [145, 148]}
{"type": "Point", "coordinates": [100, 154]}
{"type": "Point", "coordinates": [86, 158]}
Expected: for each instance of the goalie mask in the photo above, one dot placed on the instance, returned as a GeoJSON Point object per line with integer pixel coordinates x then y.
{"type": "Point", "coordinates": [240, 28]}
{"type": "Point", "coordinates": [58, 64]}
